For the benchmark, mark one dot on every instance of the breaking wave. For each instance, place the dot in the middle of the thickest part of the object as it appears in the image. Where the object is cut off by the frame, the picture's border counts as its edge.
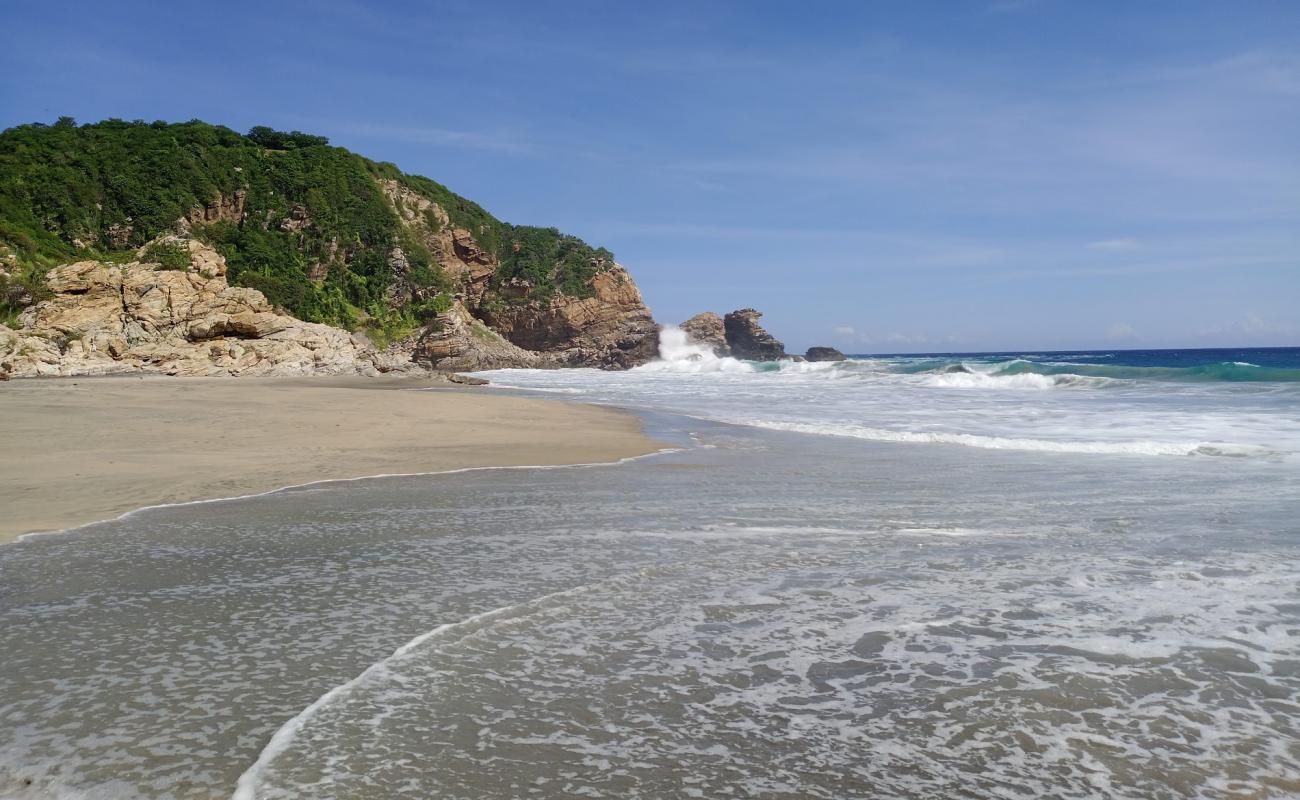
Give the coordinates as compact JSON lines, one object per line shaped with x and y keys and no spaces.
{"x":1202,"y":404}
{"x":678,"y":354}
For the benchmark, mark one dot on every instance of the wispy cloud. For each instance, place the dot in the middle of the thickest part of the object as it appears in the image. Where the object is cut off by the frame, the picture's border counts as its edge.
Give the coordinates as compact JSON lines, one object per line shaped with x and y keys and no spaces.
{"x":1121,"y":331}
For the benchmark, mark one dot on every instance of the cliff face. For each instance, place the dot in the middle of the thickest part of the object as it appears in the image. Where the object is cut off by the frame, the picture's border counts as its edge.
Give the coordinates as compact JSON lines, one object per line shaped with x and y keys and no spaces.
{"x":308,"y":233}
{"x":611,"y":329}
{"x":607,"y":326}
{"x":468,"y":265}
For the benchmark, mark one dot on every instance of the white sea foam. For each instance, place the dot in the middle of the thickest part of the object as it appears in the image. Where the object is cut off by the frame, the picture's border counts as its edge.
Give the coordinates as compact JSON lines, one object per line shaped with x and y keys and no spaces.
{"x":250,"y":781}
{"x":992,"y":405}
{"x":678,"y":354}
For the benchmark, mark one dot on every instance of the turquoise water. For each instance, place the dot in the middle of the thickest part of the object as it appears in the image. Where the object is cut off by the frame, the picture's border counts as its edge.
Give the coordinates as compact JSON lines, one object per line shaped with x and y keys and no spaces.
{"x":1143,"y":403}
{"x":1259,"y":364}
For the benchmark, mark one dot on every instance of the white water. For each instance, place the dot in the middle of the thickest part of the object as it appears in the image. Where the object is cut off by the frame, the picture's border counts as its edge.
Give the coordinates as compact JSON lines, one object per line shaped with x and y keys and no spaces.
{"x":787,"y":616}
{"x":972,"y":407}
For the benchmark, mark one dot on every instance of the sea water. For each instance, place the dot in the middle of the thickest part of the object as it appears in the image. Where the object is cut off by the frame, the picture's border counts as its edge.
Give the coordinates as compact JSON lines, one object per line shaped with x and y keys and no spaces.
{"x":980,"y":608}
{"x":1236,"y":403}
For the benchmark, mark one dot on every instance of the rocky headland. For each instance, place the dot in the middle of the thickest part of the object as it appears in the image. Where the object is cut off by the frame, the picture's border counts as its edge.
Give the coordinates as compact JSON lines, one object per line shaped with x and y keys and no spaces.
{"x":273,"y":253}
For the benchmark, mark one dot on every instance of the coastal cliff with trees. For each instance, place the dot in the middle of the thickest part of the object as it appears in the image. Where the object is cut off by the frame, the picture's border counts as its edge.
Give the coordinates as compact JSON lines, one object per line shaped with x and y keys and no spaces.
{"x":190,"y":248}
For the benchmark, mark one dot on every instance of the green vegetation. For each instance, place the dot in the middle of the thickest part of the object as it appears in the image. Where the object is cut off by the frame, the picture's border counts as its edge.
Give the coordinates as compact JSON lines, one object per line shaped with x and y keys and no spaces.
{"x":550,"y":260}
{"x":171,"y":255}
{"x":303,"y":222}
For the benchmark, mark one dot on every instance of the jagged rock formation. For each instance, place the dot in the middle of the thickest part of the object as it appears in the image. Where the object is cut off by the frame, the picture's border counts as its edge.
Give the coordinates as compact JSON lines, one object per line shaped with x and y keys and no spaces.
{"x":469,"y":266}
{"x":105,"y":318}
{"x":707,"y":329}
{"x":222,"y":208}
{"x":611,"y":329}
{"x":748,"y":340}
{"x":457,"y":341}
{"x":824,"y":354}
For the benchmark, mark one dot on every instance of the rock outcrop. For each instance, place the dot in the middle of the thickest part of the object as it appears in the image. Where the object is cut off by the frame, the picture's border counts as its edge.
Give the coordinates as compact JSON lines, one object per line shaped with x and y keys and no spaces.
{"x":222,"y":208}
{"x":458,"y":341}
{"x":708,"y":330}
{"x":455,"y":249}
{"x":824,"y":354}
{"x":105,"y":318}
{"x":610,"y":329}
{"x":748,"y":340}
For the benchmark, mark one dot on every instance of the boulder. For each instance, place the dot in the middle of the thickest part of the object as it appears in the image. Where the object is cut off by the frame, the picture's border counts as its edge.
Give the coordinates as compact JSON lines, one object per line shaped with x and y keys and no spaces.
{"x":748,"y":340}
{"x":824,"y":354}
{"x":708,"y":330}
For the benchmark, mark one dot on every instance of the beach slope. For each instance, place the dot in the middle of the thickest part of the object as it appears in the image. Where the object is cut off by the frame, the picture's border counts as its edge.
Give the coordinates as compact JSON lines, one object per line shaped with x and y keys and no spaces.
{"x":81,"y":450}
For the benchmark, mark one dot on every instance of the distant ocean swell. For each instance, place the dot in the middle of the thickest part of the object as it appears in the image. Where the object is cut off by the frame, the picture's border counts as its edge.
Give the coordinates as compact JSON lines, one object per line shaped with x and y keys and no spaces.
{"x":1230,"y":371}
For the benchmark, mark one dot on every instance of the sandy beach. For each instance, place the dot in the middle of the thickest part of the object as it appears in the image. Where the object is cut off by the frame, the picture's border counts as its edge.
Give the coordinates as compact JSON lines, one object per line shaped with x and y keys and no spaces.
{"x":80,"y":450}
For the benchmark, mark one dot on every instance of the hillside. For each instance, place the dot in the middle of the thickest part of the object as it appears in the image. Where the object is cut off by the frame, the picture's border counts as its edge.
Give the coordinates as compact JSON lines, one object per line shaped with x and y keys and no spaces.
{"x":326,"y":235}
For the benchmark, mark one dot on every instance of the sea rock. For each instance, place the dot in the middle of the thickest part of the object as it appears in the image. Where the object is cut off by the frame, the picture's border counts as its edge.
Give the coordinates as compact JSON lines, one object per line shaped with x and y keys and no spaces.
{"x":108,"y":318}
{"x":707,"y":329}
{"x":610,"y":329}
{"x":748,"y":340}
{"x":824,"y":354}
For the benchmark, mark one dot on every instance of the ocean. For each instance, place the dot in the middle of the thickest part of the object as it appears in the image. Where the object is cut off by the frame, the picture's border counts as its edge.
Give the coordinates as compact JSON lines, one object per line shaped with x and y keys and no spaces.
{"x":1015,"y":575}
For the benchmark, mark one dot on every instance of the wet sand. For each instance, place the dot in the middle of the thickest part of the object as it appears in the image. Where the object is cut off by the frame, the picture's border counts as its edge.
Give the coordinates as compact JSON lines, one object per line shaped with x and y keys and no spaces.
{"x":79,"y":450}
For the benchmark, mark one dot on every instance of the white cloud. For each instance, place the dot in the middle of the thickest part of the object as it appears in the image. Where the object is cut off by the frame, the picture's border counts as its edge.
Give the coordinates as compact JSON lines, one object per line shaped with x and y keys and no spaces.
{"x":844,"y":330}
{"x":1121,"y":330}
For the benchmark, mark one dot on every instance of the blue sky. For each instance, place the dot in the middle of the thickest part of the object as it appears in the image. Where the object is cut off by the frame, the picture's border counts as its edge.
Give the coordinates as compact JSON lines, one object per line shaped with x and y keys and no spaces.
{"x":881,"y":176}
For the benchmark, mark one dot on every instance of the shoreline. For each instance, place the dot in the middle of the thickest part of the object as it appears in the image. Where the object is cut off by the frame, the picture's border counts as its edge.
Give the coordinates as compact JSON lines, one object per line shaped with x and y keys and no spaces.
{"x":80,"y":451}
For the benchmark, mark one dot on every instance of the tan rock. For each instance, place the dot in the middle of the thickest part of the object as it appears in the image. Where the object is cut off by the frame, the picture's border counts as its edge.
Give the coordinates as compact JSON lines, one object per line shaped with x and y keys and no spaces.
{"x":611,"y":329}
{"x":203,"y":259}
{"x":457,"y":341}
{"x":106,"y":318}
{"x":455,"y":250}
{"x":707,"y":329}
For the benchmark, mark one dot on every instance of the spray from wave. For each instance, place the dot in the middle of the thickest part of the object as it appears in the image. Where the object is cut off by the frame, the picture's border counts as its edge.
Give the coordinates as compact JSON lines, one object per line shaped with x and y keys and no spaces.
{"x":678,"y":354}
